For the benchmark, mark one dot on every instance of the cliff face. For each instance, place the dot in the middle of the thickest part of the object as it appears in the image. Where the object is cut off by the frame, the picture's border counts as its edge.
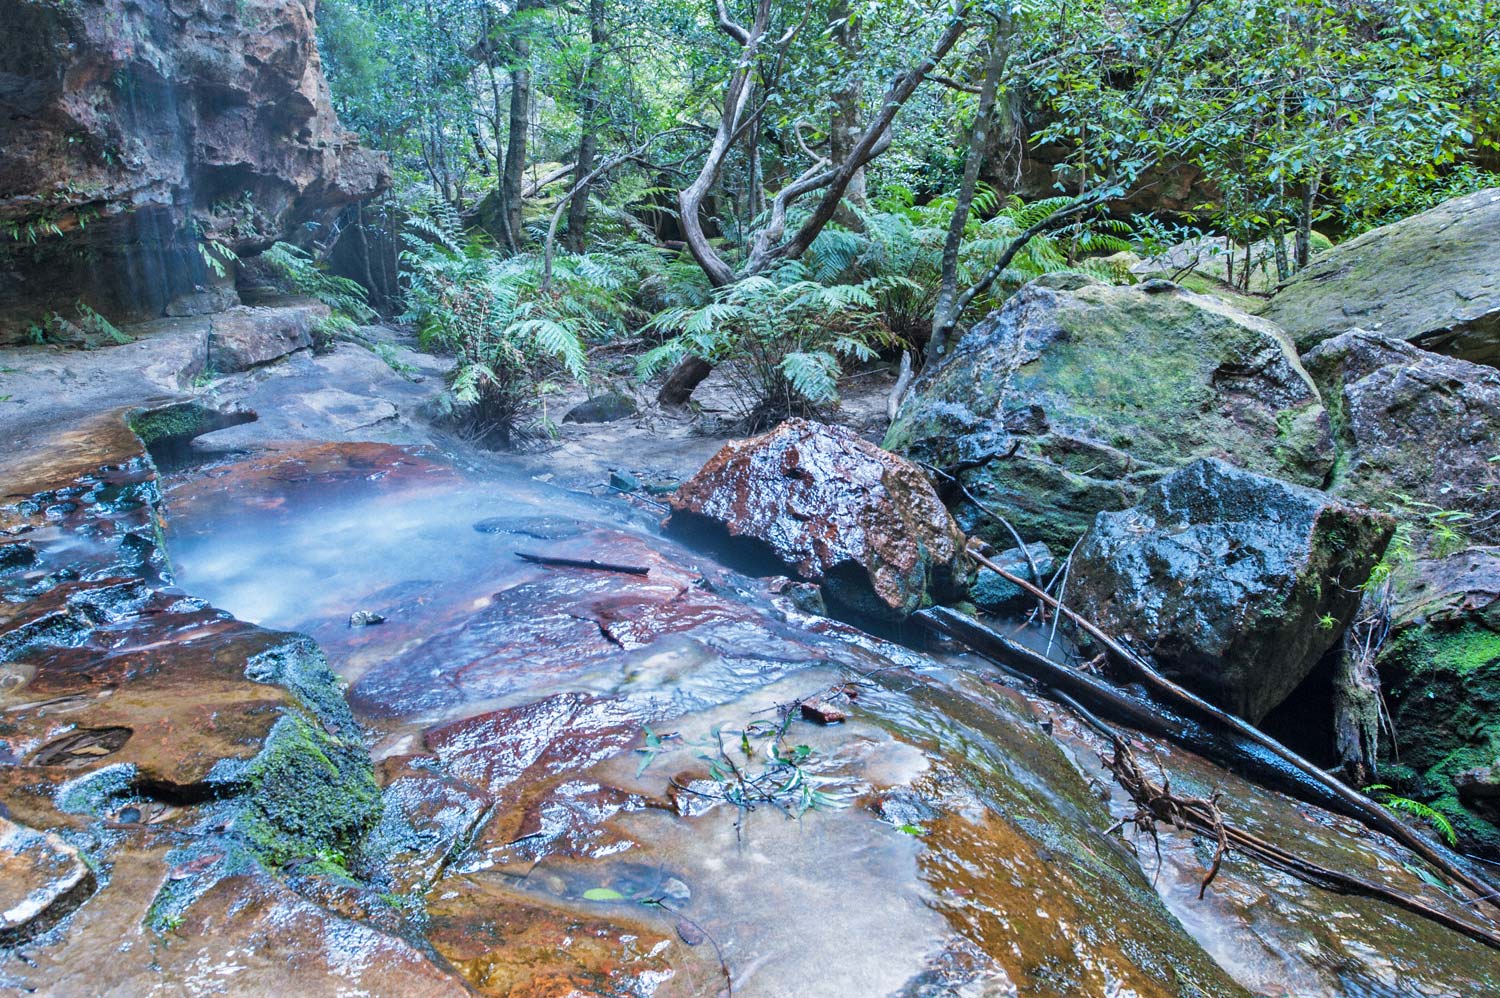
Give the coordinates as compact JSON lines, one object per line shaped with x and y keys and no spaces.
{"x":134,"y":131}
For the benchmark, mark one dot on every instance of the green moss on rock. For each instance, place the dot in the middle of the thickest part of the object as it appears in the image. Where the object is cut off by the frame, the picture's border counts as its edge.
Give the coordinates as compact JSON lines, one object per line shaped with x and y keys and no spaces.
{"x":310,"y":795}
{"x":1076,"y":395}
{"x":1443,"y":691}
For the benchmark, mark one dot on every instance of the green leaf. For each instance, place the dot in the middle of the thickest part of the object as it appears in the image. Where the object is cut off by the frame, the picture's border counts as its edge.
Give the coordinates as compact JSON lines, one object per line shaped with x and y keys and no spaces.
{"x":602,"y":894}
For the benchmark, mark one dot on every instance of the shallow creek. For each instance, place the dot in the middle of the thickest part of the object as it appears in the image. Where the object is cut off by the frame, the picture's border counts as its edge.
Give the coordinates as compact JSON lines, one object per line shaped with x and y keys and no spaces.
{"x":961,"y":851}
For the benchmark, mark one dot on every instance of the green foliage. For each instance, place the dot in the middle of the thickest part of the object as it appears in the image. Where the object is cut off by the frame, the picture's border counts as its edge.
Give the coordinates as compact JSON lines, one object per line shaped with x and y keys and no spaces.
{"x":304,"y":275}
{"x":780,"y":338}
{"x":764,"y":769}
{"x":1405,"y":805}
{"x":86,"y":329}
{"x":216,"y":256}
{"x":511,"y":337}
{"x":902,"y":245}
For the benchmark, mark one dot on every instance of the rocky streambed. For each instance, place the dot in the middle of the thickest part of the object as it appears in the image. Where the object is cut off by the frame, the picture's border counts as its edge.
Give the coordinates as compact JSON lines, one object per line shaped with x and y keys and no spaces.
{"x":548,"y":779}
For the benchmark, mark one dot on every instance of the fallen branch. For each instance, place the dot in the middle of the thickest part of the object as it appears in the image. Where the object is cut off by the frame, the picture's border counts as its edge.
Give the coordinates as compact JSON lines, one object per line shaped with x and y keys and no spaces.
{"x":1201,"y":816}
{"x":602,"y":566}
{"x":1197,"y":725}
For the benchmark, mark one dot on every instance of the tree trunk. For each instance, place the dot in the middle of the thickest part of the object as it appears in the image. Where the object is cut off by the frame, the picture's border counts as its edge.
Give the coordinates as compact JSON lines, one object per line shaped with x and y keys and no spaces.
{"x":519,"y":126}
{"x":588,"y":139}
{"x":515,"y":150}
{"x":1304,"y":221}
{"x":944,"y":314}
{"x":685,"y":377}
{"x":845,"y":118}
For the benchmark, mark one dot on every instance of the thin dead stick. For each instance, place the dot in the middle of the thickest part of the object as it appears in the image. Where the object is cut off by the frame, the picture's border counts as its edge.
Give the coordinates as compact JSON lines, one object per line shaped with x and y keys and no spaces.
{"x":602,"y":566}
{"x":1355,"y":804}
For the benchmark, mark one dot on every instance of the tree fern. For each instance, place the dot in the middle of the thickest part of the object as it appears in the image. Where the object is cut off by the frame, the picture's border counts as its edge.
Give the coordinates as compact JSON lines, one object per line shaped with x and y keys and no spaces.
{"x":778,"y":337}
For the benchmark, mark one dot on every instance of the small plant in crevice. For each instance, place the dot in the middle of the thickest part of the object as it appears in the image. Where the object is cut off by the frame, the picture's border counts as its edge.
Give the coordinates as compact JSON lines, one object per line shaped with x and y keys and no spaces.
{"x":1405,"y":805}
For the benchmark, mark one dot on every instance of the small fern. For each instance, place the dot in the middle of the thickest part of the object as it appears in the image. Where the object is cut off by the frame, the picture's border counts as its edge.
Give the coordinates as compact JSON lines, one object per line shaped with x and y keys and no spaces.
{"x":1415,"y":808}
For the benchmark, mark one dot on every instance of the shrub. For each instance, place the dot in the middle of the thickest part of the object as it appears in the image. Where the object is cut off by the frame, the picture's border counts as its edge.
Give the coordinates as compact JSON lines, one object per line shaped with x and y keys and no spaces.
{"x":511,"y":338}
{"x":780,"y":339}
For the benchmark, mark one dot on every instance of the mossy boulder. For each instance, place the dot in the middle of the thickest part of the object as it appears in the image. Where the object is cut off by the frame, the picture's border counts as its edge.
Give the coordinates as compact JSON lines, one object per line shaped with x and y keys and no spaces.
{"x":1430,"y":279}
{"x":1237,"y":584}
{"x":1076,"y":395}
{"x":1440,"y":669}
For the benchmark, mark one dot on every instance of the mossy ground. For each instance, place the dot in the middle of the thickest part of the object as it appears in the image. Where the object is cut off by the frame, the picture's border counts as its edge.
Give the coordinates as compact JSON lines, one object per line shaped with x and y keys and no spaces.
{"x":1443,"y":691}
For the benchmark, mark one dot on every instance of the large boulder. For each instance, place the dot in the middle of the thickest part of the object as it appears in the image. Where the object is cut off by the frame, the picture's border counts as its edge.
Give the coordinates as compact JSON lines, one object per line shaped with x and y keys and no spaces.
{"x":1076,"y":395}
{"x":136,"y":130}
{"x":838,"y":510}
{"x":1440,"y":670}
{"x":1430,"y":279}
{"x":1413,"y":428}
{"x":1237,"y":584}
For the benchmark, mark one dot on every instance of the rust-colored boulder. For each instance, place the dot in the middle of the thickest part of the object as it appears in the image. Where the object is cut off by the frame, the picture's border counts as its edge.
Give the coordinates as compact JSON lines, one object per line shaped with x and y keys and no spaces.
{"x":840,"y":511}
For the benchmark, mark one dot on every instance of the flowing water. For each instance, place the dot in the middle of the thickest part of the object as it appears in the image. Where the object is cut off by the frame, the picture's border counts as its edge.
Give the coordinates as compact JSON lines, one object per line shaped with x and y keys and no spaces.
{"x":566,"y":740}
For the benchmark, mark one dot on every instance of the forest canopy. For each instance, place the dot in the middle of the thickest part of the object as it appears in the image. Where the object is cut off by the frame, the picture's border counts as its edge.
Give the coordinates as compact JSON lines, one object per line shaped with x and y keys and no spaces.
{"x":800,"y":186}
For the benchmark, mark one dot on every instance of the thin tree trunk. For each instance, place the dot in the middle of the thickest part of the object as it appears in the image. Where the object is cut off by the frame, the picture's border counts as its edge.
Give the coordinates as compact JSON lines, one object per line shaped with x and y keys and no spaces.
{"x":588,"y":139}
{"x":1304,"y":220}
{"x":845,"y":118}
{"x":1283,"y":265}
{"x":518,"y":126}
{"x":515,"y":145}
{"x":944,"y":315}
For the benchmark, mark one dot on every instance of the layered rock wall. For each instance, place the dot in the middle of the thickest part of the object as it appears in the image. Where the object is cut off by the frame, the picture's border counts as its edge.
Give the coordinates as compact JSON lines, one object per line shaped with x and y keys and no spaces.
{"x":137,"y":134}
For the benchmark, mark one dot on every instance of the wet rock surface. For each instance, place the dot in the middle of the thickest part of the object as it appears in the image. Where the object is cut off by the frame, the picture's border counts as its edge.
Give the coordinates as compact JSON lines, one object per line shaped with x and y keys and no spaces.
{"x":1414,"y":427}
{"x":555,"y":846}
{"x":42,"y":879}
{"x":538,"y":810}
{"x":172,"y":123}
{"x":1237,"y":584}
{"x":839,"y":510}
{"x":1429,"y":279}
{"x":1075,"y":396}
{"x":191,"y":759}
